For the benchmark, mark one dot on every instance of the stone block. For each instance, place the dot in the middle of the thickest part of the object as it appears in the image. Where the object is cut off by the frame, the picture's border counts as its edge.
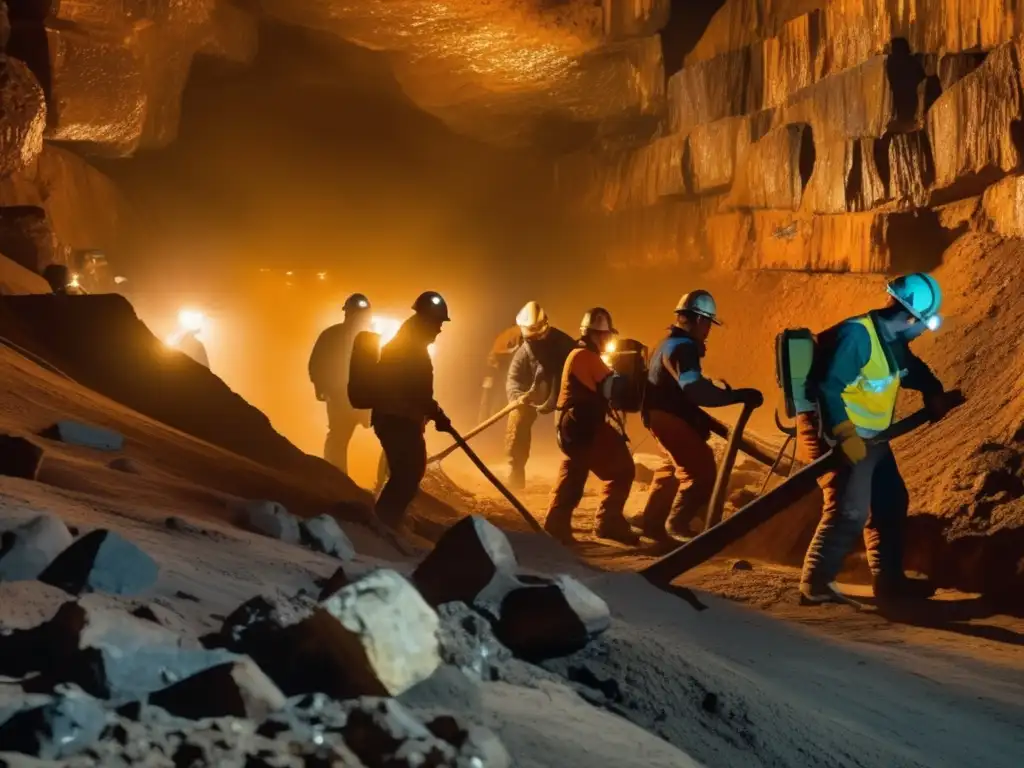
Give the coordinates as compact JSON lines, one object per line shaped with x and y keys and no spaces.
{"x":846,"y":177}
{"x":740,"y":23}
{"x":87,"y":436}
{"x":23,"y":106}
{"x":20,"y":457}
{"x":794,"y":58}
{"x":911,"y":169}
{"x":234,"y":689}
{"x":634,"y":18}
{"x":545,"y":621}
{"x":729,"y":85}
{"x":714,"y":151}
{"x":102,"y":561}
{"x":775,"y":170}
{"x":376,"y":636}
{"x":865,"y":101}
{"x":323,"y":534}
{"x":27,"y":550}
{"x":1003,"y":204}
{"x":270,"y":519}
{"x":871,"y":242}
{"x":974,"y":128}
{"x":50,"y":727}
{"x":473,"y":561}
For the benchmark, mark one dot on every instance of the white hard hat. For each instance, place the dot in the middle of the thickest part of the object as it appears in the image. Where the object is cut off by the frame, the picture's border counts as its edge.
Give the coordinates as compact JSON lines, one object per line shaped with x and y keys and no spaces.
{"x":597,"y":319}
{"x":699,"y":303}
{"x":532,"y":321}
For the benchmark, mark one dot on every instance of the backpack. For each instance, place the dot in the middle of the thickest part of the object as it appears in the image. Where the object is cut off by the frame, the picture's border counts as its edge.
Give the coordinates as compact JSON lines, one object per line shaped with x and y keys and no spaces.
{"x":629,"y":360}
{"x":794,"y":355}
{"x":362,"y":373}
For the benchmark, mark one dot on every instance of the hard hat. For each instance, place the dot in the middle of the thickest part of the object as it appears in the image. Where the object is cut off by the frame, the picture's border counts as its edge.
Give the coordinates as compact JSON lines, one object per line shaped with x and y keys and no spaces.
{"x":356,"y":302}
{"x":431,"y":304}
{"x":919,"y":293}
{"x":597,"y":319}
{"x":532,"y":321}
{"x":699,"y":303}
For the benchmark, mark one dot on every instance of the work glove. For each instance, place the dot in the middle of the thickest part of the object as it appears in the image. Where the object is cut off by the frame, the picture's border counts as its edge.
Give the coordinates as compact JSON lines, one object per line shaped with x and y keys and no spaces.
{"x":749,"y":397}
{"x":442,"y":423}
{"x":850,"y":443}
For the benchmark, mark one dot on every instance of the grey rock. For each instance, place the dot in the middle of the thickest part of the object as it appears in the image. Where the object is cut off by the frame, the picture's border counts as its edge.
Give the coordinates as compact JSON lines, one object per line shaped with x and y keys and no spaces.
{"x":375,"y":636}
{"x":270,"y":519}
{"x":115,"y":656}
{"x":27,"y":550}
{"x":323,"y":534}
{"x":88,"y":436}
{"x":234,"y":689}
{"x":51,"y":727}
{"x":545,"y":621}
{"x":20,"y":457}
{"x":468,"y":642}
{"x":472,"y":562}
{"x":102,"y":561}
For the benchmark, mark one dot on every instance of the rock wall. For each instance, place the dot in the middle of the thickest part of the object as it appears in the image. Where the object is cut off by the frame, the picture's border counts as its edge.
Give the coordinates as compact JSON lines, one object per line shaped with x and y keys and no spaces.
{"x":93,"y":78}
{"x":823,"y":135}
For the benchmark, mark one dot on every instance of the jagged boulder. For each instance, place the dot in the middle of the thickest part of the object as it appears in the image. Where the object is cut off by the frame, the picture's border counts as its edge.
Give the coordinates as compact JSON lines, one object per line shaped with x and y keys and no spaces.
{"x":233,"y":689}
{"x":270,"y":519}
{"x":975,"y":127}
{"x":50,"y":727}
{"x":775,"y":170}
{"x":102,"y":561}
{"x":26,"y":551}
{"x":24,"y":109}
{"x":473,"y":561}
{"x":546,"y":620}
{"x":375,"y":636}
{"x":323,"y":534}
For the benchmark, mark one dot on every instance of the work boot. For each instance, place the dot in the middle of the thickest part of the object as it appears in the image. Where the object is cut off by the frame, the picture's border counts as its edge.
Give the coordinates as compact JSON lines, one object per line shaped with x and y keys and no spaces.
{"x":822,"y":594}
{"x":560,"y":531}
{"x":683,"y":530}
{"x":617,"y":530}
{"x":516,"y":478}
{"x":901,"y":587}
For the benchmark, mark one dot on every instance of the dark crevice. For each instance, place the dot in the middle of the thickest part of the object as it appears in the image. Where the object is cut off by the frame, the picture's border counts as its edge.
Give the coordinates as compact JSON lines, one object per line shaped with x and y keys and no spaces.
{"x":687,"y":22}
{"x":808,"y":155}
{"x":917,"y":240}
{"x":855,"y":180}
{"x":905,"y":72}
{"x":880,"y":151}
{"x":30,"y":44}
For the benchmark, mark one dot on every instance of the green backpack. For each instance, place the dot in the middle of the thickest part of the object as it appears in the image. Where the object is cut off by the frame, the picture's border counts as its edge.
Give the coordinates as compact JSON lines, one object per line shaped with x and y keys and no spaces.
{"x":794,"y":355}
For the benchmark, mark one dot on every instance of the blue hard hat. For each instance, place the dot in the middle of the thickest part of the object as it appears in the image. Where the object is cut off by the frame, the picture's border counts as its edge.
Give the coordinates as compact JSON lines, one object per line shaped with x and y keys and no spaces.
{"x":919,"y":293}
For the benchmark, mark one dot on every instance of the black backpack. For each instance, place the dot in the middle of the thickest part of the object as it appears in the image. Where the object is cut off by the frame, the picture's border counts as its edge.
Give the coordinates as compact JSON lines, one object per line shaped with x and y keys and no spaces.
{"x":362,"y":374}
{"x":629,"y":360}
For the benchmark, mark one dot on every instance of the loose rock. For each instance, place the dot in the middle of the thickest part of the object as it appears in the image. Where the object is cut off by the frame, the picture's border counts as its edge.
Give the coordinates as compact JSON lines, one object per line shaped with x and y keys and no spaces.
{"x":51,"y":727}
{"x":472,"y":562}
{"x":102,"y":561}
{"x":270,"y":519}
{"x":468,"y":642}
{"x":28,"y":549}
{"x":20,"y":457}
{"x":235,"y":689}
{"x":323,"y":534}
{"x":742,"y":565}
{"x":551,"y":620}
{"x":375,"y":636}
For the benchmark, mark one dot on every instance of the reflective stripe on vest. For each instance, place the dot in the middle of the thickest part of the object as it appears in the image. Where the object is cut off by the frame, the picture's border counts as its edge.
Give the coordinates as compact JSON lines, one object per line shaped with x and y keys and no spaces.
{"x":871,"y":399}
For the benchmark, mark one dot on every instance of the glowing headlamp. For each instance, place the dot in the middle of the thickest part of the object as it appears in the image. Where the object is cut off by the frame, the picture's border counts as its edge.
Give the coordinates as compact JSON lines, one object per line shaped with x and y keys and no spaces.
{"x":933,"y":323}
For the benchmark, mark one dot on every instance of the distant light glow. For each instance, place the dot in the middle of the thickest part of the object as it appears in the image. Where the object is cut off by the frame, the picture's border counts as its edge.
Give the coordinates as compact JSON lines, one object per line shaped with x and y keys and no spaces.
{"x":321,"y":275}
{"x":118,"y":279}
{"x":386,"y":327}
{"x":75,"y":281}
{"x":191,"y":320}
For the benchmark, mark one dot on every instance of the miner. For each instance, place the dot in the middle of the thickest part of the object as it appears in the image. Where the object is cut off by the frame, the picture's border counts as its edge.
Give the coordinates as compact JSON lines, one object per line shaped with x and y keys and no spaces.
{"x":329,"y":372}
{"x":859,"y":368}
{"x":533,"y":377}
{"x":590,"y":443}
{"x":677,"y":392}
{"x":404,"y":404}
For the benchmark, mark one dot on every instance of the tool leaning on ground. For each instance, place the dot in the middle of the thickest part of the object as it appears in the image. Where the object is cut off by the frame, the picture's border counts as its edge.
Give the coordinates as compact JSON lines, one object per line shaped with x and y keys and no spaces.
{"x":714,"y":540}
{"x":521,"y":402}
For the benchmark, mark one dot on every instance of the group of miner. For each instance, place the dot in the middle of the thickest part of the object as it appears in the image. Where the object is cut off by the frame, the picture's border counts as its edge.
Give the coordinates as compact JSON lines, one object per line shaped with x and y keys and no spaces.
{"x":859,"y":367}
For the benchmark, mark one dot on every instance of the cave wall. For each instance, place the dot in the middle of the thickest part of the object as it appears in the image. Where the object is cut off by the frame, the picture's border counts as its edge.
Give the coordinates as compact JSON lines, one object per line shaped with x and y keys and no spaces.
{"x":853,"y":136}
{"x":86,"y":80}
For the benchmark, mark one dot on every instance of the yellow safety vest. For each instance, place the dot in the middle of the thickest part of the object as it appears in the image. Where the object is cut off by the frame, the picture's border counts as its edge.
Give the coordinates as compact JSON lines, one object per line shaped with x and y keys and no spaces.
{"x":871,"y":399}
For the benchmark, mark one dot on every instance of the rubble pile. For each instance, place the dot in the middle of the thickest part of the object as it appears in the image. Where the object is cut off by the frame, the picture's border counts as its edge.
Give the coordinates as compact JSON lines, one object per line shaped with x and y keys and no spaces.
{"x":285,"y":680}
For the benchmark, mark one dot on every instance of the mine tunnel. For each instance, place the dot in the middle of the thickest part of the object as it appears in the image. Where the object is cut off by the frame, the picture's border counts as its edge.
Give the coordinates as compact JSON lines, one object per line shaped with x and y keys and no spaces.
{"x":193,"y":191}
